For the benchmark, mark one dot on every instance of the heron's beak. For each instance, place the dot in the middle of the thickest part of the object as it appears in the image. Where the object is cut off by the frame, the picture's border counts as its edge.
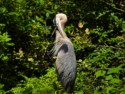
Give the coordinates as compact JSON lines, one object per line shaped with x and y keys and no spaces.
{"x":54,"y":31}
{"x":54,"y":22}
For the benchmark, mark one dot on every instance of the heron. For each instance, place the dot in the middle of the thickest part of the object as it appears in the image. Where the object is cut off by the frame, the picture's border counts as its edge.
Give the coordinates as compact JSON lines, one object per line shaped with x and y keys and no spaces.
{"x":65,"y":55}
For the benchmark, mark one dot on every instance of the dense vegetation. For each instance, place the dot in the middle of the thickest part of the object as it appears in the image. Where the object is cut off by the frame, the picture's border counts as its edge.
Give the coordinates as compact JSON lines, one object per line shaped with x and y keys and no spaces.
{"x":96,"y":28}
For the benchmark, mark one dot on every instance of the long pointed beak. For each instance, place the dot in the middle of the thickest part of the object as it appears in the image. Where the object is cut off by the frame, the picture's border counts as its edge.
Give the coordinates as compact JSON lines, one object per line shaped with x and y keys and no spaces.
{"x":54,"y":22}
{"x":54,"y":31}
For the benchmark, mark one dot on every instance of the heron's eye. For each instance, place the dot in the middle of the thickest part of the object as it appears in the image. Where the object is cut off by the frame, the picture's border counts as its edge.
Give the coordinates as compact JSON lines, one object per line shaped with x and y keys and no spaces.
{"x":54,"y":21}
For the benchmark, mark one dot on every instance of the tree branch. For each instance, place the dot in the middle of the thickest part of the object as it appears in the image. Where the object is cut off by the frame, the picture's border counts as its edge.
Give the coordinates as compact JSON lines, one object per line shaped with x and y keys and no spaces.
{"x":118,"y":9}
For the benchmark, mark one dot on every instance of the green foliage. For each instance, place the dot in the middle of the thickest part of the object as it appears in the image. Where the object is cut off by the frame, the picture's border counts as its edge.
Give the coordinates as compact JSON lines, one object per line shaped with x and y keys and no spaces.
{"x":1,"y":89}
{"x":4,"y":44}
{"x":96,"y":28}
{"x":43,"y":85}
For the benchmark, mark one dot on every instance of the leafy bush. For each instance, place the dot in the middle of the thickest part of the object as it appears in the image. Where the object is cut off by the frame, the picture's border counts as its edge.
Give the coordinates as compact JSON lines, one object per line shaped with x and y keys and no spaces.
{"x":43,"y":85}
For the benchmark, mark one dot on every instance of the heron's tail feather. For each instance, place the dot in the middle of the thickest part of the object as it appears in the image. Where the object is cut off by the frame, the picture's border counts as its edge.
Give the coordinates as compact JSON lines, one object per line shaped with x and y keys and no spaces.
{"x":69,"y":87}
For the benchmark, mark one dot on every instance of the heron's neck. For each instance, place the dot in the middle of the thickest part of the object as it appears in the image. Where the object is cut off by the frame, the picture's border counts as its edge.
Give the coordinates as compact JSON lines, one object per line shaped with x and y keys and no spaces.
{"x":64,"y":34}
{"x":62,"y":25}
{"x":61,"y":30}
{"x":59,"y":37}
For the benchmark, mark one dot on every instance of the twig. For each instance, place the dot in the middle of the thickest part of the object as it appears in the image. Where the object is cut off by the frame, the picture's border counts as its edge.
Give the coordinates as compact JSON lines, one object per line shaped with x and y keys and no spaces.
{"x":118,"y":9}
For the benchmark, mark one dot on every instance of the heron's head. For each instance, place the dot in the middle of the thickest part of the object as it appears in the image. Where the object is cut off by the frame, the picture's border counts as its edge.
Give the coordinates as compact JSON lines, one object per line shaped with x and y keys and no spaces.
{"x":60,"y":18}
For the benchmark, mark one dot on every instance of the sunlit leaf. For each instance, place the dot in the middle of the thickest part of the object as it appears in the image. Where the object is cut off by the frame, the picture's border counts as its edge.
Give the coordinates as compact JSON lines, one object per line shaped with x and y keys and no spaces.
{"x":80,"y":25}
{"x":114,"y":70}
{"x":109,"y":77}
{"x":100,"y":73}
{"x":115,"y":80}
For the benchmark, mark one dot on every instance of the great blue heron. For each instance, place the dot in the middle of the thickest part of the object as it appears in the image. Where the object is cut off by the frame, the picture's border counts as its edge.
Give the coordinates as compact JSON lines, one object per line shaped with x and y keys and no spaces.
{"x":65,"y":55}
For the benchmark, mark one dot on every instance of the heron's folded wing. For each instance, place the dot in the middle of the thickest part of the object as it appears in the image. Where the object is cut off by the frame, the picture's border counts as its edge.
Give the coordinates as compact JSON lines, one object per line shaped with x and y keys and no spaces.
{"x":66,"y":64}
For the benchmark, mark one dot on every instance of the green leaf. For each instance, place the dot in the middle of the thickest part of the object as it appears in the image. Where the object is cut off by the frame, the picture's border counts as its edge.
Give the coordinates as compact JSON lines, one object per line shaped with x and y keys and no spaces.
{"x":114,"y":70}
{"x":109,"y":77}
{"x":80,"y":92}
{"x":33,"y":21}
{"x":2,"y":10}
{"x":47,"y":14}
{"x":123,"y":26}
{"x":100,"y":73}
{"x":109,"y":89}
{"x":123,"y":92}
{"x":5,"y":58}
{"x":41,"y":2}
{"x":115,"y":80}
{"x":2,"y":26}
{"x":14,"y":13}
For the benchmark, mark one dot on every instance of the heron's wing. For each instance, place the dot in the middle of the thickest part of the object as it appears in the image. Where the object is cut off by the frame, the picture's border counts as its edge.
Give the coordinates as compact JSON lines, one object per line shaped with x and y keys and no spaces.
{"x":66,"y":65}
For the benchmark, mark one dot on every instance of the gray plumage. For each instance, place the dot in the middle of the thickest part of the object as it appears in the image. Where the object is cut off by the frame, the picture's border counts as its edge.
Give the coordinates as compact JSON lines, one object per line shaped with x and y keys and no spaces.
{"x":65,"y":55}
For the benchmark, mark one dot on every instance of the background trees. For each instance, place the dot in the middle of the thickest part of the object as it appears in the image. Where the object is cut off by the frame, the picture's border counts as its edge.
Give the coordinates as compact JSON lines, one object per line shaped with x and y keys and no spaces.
{"x":96,"y":28}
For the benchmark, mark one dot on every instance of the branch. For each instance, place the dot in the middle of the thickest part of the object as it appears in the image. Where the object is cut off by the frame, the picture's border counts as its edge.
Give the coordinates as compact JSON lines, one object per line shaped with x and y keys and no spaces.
{"x":118,"y":9}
